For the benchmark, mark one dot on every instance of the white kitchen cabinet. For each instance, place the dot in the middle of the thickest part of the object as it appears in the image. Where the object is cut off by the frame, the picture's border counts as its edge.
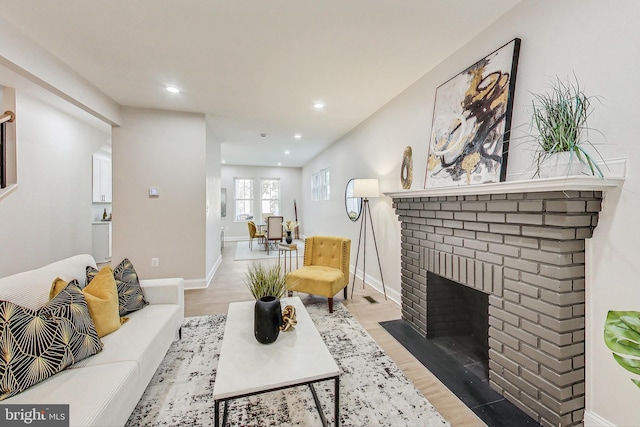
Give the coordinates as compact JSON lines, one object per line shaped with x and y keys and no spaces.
{"x":101,"y":179}
{"x":101,"y":233}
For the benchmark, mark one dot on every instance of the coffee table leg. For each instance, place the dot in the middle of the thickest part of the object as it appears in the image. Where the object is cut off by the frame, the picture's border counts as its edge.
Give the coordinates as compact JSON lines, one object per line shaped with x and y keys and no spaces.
{"x":336,"y":409}
{"x":323,"y":419}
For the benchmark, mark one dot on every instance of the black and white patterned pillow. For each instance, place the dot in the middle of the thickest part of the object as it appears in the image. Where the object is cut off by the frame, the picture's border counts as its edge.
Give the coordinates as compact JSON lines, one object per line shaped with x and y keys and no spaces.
{"x":36,"y":344}
{"x":130,"y":296}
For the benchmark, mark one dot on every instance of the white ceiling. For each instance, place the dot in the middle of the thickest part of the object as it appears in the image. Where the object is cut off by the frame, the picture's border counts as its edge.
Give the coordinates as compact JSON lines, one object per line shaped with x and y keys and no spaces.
{"x":256,"y":66}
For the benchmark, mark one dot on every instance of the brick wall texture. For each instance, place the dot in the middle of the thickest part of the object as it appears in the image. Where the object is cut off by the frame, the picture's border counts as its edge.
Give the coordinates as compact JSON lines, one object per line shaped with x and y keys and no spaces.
{"x":526,"y":250}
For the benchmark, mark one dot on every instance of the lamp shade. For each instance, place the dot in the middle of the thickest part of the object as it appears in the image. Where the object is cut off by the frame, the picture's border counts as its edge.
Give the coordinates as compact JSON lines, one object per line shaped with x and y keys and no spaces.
{"x":366,"y":188}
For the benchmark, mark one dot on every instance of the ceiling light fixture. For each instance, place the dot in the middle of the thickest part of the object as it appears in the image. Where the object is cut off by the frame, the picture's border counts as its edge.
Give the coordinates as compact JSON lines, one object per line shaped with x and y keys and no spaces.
{"x":173,"y":89}
{"x":286,"y":151}
{"x":318,"y":105}
{"x":279,"y":164}
{"x":297,"y":136}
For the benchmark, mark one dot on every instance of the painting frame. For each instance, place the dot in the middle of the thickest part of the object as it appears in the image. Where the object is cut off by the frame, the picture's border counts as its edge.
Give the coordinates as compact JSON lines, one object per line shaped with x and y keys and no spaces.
{"x":472,"y":121}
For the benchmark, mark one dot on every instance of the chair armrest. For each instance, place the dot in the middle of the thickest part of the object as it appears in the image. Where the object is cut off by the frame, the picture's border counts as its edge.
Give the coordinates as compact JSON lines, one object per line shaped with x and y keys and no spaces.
{"x":163,"y":291}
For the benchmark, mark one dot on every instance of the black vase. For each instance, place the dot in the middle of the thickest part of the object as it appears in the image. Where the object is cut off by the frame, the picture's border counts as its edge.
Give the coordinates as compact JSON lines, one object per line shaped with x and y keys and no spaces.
{"x":288,"y":239}
{"x":267,"y":318}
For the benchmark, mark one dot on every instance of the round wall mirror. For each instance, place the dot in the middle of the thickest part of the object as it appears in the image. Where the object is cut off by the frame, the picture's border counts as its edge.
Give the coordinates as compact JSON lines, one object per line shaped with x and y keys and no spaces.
{"x":353,"y":205}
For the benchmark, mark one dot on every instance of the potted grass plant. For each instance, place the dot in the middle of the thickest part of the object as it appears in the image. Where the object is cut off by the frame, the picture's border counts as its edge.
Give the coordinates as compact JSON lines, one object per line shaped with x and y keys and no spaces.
{"x":267,"y":284}
{"x":560,"y":118}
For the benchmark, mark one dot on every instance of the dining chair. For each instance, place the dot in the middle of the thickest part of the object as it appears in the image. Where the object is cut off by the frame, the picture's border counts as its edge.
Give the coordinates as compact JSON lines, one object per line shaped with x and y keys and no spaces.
{"x":254,"y":233}
{"x":274,"y":230}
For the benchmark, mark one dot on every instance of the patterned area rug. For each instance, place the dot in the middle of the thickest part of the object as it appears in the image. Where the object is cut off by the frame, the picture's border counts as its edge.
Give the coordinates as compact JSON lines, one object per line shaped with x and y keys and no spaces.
{"x":244,"y":253}
{"x":373,"y":390}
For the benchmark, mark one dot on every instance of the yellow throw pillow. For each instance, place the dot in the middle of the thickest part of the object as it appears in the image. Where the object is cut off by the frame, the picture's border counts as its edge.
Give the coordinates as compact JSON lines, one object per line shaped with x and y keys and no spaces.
{"x":101,"y":295}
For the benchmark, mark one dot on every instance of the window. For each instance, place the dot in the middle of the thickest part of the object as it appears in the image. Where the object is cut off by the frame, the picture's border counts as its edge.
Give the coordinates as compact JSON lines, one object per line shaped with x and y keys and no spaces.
{"x":325,"y":190}
{"x":320,"y":189}
{"x":315,"y":186}
{"x":243,"y":198}
{"x":270,"y":196}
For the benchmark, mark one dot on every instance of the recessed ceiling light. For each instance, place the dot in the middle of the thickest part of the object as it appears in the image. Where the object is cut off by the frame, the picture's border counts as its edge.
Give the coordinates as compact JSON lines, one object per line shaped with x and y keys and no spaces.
{"x":173,"y":89}
{"x":297,"y":136}
{"x":224,"y":161}
{"x":318,"y":105}
{"x":286,"y":152}
{"x":279,"y":164}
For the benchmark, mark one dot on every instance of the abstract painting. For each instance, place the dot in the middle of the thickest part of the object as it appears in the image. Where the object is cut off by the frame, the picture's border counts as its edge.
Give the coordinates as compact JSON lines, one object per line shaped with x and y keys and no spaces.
{"x":471,"y":122}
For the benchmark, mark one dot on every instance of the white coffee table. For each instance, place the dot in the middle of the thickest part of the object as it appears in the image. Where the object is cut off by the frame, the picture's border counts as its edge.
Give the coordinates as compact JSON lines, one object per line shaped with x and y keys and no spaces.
{"x":297,"y":357}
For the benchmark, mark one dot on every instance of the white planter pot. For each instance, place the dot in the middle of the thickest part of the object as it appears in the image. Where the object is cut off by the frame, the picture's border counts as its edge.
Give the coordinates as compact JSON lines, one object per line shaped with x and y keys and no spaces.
{"x":562,"y":164}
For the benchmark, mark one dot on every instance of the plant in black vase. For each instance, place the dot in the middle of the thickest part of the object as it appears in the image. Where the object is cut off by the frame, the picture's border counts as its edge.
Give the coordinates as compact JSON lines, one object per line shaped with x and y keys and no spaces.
{"x":267,"y":284}
{"x":289,"y":226}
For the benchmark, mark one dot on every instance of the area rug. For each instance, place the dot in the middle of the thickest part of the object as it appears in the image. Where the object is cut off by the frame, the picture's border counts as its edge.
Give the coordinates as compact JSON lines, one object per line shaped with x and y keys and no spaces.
{"x":243,"y":252}
{"x":373,"y":390}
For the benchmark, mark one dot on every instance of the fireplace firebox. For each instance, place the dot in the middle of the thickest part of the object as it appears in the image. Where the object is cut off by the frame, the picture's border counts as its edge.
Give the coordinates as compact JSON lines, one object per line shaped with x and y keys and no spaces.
{"x":458,"y":322}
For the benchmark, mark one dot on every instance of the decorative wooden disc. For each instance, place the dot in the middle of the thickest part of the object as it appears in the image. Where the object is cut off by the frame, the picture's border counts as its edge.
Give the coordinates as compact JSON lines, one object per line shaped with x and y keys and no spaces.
{"x":406,"y":172}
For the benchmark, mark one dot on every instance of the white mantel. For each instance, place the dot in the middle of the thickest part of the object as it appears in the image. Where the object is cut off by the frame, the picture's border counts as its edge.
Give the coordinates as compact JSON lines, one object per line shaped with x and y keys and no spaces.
{"x":565,"y":183}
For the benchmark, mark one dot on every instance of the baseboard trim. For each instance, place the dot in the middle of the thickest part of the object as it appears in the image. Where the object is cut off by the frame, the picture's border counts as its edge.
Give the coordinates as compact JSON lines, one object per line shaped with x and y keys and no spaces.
{"x":195,"y":284}
{"x":392,"y":294}
{"x":592,"y":419}
{"x":203,"y":283}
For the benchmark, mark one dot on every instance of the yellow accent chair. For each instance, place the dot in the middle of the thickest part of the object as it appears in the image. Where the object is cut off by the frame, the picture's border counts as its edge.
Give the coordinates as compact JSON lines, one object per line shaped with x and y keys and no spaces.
{"x":325,"y":270}
{"x":254,"y":233}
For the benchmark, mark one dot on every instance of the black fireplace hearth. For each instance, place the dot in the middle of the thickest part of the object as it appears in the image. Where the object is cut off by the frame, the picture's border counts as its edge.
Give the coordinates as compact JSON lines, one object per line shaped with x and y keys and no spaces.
{"x":466,"y":378}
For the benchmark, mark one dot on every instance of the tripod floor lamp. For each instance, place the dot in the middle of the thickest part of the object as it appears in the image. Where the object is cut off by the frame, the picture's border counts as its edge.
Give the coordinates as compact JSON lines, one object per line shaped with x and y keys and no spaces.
{"x":366,"y":188}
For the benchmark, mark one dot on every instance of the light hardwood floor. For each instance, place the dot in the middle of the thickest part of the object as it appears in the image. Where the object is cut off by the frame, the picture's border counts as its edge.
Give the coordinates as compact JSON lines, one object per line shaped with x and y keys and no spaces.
{"x":227,"y":286}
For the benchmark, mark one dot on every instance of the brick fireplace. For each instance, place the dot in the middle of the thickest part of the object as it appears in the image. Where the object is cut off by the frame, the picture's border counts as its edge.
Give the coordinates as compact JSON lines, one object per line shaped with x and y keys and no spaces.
{"x":526,"y":250}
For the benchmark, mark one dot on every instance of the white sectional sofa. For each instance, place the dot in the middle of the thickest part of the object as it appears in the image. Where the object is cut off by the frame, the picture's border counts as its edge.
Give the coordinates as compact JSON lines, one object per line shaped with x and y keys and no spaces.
{"x":103,"y":389}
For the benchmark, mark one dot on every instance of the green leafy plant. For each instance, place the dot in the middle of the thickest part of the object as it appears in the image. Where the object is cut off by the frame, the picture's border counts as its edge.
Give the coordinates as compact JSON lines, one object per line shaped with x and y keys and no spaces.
{"x":266,"y":280}
{"x":622,"y":336}
{"x":560,"y":117}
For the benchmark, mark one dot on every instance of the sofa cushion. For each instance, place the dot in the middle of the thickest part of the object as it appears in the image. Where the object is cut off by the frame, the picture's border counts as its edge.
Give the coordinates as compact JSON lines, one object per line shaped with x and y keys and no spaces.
{"x":102,"y":298}
{"x":130,"y":295}
{"x":97,"y":396}
{"x":143,"y":340}
{"x":145,"y":337}
{"x":36,"y":344}
{"x":30,"y":289}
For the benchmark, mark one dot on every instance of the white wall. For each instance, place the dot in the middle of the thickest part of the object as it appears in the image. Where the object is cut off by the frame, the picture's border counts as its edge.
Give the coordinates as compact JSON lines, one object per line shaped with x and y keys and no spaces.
{"x":590,"y":38}
{"x":48,"y":216}
{"x":291,"y":188}
{"x":212,"y":204}
{"x":37,"y":65}
{"x":167,"y":150}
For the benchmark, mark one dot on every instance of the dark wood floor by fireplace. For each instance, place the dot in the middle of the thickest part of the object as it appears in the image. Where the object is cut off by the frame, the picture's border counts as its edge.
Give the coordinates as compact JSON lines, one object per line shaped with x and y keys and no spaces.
{"x":462,"y":367}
